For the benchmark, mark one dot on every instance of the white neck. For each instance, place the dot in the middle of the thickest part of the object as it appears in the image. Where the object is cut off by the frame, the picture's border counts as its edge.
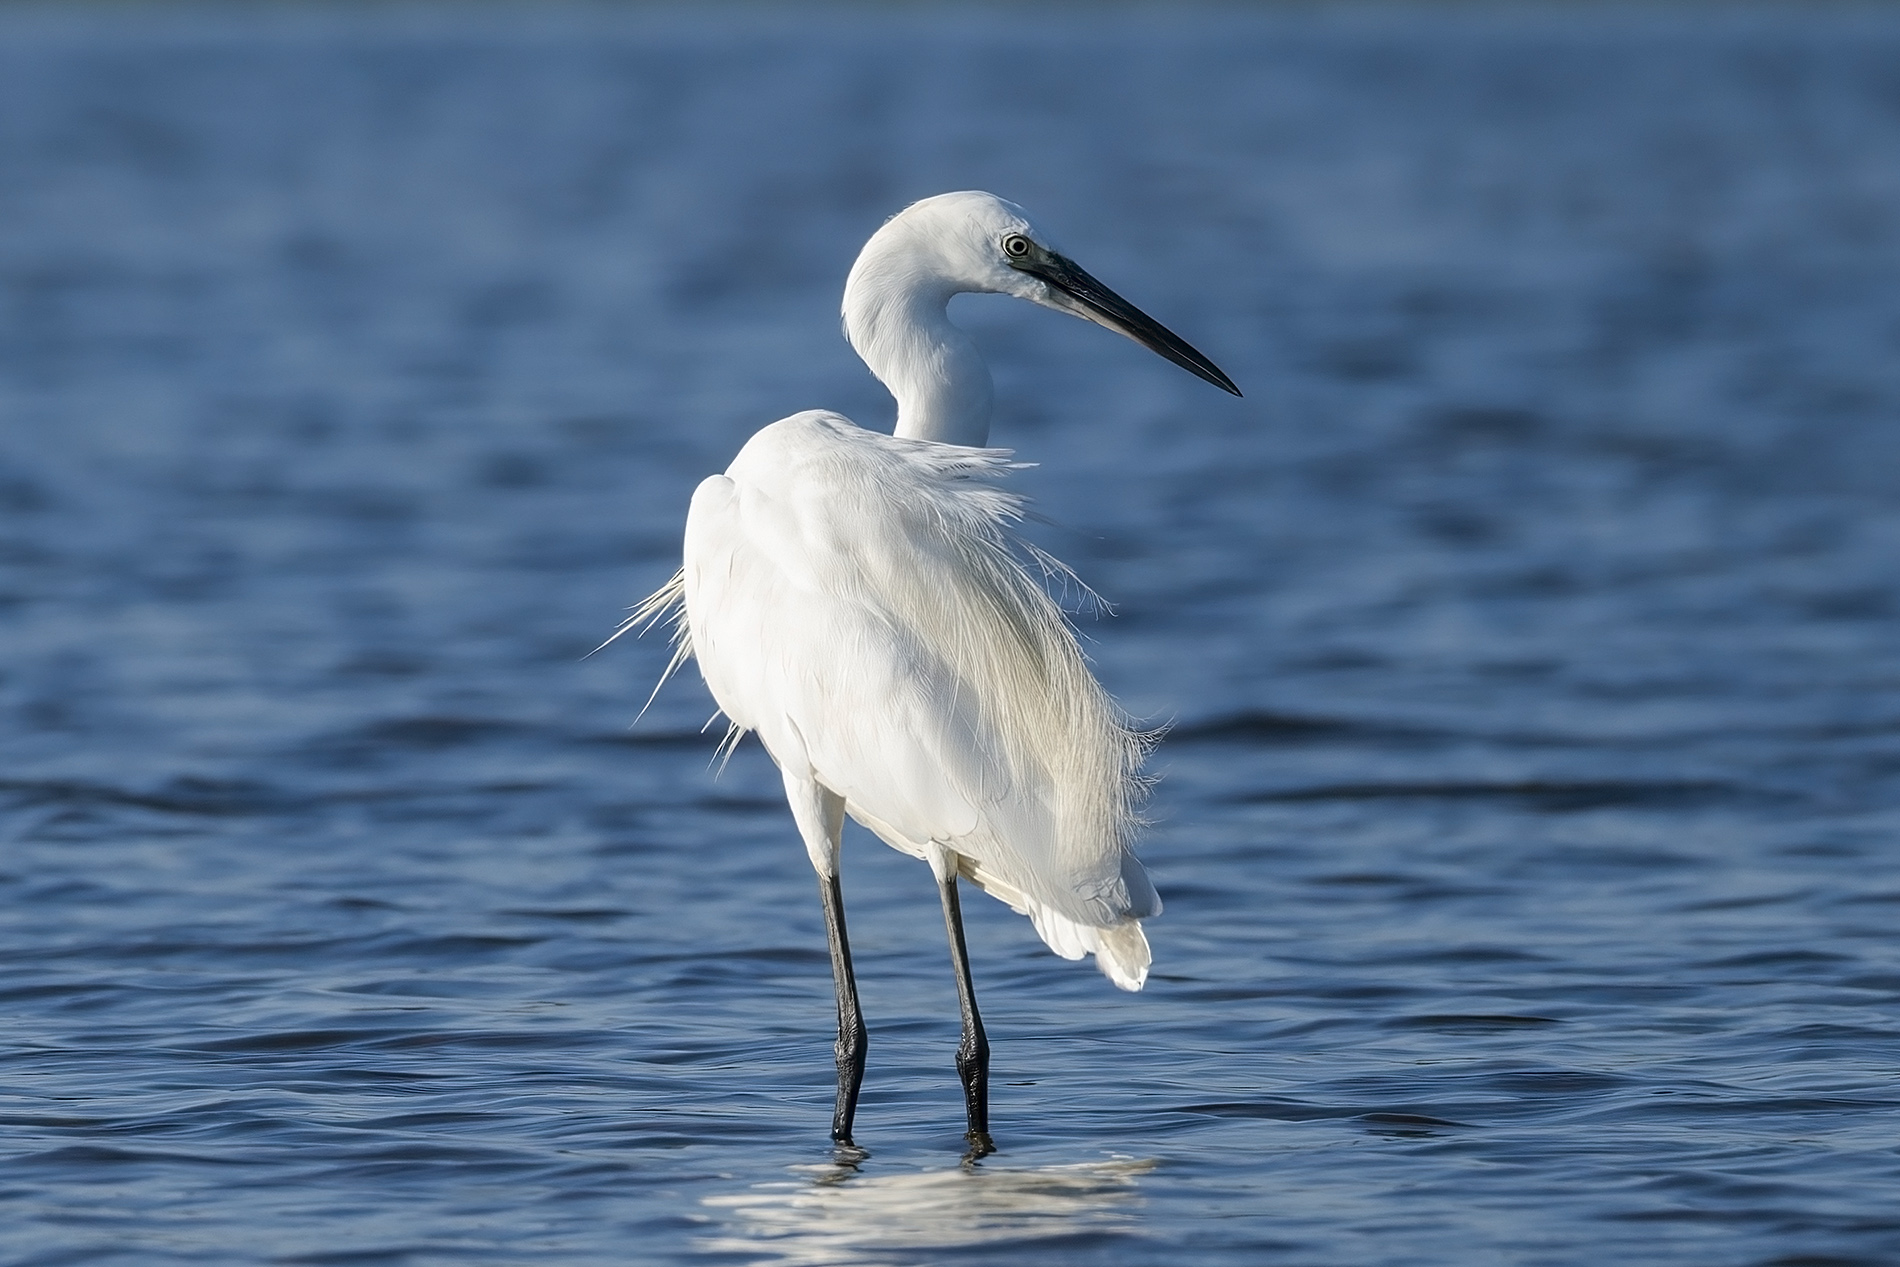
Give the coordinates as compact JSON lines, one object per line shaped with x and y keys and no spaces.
{"x":896,"y":316}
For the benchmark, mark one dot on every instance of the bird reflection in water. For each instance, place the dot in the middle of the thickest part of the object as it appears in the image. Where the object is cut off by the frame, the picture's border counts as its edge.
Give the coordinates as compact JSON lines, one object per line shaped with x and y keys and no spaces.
{"x":836,"y":1215}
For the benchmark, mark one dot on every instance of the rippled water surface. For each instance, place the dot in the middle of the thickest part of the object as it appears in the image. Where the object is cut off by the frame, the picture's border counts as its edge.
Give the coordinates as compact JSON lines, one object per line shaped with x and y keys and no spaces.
{"x":1530,"y":635}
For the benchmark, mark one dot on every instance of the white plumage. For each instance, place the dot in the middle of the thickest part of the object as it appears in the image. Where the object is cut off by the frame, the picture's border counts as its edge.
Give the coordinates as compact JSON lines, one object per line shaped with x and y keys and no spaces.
{"x":859,"y":602}
{"x":853,"y":598}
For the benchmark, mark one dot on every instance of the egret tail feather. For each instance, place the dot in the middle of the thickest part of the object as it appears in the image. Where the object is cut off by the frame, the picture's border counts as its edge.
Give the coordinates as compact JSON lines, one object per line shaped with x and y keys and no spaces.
{"x":1121,"y":950}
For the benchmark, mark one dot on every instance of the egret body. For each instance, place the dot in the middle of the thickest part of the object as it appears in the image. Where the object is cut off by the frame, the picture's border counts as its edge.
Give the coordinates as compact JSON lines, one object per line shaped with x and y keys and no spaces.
{"x":858,"y":601}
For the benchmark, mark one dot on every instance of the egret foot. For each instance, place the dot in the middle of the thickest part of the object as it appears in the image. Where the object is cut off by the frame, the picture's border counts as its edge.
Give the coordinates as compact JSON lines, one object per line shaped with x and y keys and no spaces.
{"x":846,"y":1156}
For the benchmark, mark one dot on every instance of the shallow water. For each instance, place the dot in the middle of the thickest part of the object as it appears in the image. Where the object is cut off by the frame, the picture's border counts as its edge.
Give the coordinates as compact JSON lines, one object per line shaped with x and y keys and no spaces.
{"x":1530,"y":635}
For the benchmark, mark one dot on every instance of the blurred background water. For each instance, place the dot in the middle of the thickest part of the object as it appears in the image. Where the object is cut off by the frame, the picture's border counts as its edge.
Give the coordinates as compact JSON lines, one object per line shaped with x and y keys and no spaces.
{"x":1530,"y":635}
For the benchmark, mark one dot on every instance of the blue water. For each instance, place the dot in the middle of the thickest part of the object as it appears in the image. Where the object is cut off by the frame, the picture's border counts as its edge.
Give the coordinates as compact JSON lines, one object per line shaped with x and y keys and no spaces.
{"x":1530,"y":636}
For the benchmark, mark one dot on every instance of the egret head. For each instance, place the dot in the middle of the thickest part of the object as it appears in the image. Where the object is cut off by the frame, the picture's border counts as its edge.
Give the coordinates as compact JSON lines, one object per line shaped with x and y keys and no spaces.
{"x":974,"y":241}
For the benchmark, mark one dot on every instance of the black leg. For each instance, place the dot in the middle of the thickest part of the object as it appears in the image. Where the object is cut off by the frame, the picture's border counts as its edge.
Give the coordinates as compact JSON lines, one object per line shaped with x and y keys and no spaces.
{"x":973,"y":1054}
{"x":851,"y":1038}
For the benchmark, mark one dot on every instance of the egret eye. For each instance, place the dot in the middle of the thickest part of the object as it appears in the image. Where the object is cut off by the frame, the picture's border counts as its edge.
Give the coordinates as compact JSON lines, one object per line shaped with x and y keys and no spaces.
{"x":1015,"y":246}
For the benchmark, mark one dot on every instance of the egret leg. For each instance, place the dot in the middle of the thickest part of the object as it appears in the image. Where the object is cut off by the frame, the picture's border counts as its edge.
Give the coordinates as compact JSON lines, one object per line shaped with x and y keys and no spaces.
{"x":851,"y":1038}
{"x":819,"y":813}
{"x":973,"y":1053}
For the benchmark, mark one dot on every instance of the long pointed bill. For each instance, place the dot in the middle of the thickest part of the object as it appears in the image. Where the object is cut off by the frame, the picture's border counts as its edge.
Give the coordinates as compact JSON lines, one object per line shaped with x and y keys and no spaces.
{"x":1077,"y":292}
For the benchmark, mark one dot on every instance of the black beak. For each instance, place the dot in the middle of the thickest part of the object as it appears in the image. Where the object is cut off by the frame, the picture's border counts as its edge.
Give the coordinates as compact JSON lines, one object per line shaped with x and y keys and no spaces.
{"x":1088,"y":298}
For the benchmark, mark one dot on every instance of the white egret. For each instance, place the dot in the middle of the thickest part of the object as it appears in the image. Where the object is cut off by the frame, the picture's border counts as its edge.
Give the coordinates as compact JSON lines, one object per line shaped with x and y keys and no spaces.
{"x":859,"y":602}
